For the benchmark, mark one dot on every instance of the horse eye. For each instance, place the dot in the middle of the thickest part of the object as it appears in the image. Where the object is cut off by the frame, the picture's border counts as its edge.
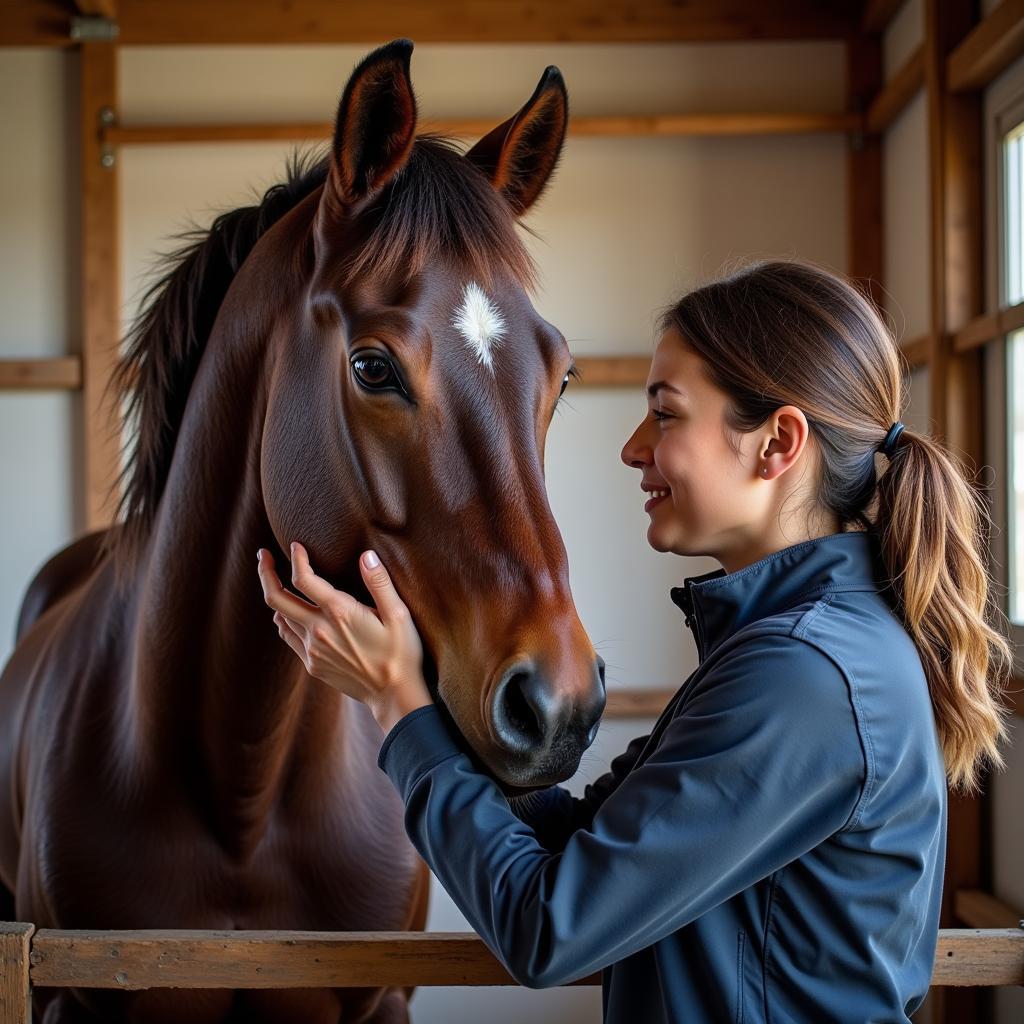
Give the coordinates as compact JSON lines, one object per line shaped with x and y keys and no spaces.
{"x":375,"y":372}
{"x":565,"y":384}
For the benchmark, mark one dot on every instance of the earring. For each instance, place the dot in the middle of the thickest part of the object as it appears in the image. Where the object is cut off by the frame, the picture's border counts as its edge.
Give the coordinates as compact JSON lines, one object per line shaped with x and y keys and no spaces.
{"x":764,"y":472}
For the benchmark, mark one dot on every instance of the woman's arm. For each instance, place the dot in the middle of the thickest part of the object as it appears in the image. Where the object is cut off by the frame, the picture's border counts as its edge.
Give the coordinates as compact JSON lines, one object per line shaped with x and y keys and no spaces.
{"x":762,"y":764}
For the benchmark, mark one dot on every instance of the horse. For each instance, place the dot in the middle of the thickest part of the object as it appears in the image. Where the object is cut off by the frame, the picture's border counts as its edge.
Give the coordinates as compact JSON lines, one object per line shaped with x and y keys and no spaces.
{"x":353,"y":362}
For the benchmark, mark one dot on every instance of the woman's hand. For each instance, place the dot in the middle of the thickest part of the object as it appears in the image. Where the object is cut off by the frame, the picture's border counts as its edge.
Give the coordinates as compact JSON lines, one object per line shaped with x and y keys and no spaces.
{"x":373,"y":656}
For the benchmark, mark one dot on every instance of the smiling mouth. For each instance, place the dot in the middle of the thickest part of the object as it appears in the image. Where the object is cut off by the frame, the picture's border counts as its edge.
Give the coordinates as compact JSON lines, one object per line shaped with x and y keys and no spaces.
{"x":656,"y":498}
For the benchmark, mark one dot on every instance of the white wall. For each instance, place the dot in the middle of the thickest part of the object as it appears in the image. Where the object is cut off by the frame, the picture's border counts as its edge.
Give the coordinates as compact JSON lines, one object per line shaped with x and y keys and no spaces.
{"x":626,"y":226}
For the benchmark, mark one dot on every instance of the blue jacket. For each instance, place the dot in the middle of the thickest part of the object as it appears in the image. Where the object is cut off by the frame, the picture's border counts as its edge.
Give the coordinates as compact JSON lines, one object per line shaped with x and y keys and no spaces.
{"x":772,"y":851}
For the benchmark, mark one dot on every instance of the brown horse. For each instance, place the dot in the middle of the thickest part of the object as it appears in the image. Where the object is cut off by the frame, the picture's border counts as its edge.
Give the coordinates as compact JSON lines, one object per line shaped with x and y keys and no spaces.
{"x":353,"y":363}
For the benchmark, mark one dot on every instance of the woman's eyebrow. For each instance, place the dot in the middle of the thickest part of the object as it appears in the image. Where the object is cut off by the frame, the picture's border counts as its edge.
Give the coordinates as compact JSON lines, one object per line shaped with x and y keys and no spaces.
{"x":663,"y":385}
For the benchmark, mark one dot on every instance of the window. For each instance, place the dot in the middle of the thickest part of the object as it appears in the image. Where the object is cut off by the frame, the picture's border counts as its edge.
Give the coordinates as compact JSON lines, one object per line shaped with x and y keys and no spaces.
{"x":1012,"y":288}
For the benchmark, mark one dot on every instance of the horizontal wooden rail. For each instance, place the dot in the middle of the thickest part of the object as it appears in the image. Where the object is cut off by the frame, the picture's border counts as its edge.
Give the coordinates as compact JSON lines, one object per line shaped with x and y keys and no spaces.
{"x":897,"y":93}
{"x":208,"y":959}
{"x":65,"y":373}
{"x":983,"y":329}
{"x":614,"y":126}
{"x":990,"y":47}
{"x":61,"y":374}
{"x":636,"y":702}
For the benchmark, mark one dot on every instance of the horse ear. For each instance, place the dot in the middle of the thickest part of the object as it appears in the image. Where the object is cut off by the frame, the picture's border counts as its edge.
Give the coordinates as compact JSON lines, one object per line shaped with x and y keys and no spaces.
{"x":376,"y":124}
{"x":520,"y":154}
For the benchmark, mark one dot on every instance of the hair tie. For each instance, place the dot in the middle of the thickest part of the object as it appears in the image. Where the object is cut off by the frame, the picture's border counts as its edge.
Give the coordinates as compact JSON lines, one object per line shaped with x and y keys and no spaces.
{"x":888,"y":446}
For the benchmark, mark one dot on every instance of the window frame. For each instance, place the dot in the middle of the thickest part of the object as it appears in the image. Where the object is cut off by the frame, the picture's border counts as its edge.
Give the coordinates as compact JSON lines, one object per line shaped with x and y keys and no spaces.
{"x":1003,"y":111}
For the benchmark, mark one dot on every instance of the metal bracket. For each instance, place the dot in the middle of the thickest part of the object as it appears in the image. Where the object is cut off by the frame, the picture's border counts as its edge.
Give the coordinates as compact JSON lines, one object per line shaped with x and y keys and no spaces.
{"x":108,"y":154}
{"x":93,"y":30}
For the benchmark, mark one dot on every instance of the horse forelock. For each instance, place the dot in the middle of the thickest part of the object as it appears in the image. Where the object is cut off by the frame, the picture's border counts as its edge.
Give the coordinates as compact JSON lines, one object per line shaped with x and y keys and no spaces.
{"x":438,"y":208}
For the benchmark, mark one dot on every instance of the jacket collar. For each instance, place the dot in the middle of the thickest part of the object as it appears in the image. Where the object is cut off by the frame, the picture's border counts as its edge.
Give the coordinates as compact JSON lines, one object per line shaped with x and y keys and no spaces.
{"x":718,"y":604}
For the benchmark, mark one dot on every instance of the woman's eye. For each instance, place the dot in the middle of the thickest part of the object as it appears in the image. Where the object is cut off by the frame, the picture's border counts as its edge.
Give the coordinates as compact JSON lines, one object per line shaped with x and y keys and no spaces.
{"x":375,"y":372}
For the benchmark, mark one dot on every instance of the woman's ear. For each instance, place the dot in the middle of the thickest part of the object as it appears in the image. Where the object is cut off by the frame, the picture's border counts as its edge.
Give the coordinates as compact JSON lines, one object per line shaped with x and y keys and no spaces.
{"x":520,"y":155}
{"x":375,"y":127}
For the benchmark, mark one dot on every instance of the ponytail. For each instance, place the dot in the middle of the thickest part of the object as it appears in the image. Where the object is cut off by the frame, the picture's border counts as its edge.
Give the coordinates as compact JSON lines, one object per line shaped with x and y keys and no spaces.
{"x":933,"y":528}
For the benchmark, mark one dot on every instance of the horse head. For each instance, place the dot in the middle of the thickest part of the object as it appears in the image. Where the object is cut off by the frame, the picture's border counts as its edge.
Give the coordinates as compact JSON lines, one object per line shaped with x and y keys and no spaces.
{"x":411,"y":390}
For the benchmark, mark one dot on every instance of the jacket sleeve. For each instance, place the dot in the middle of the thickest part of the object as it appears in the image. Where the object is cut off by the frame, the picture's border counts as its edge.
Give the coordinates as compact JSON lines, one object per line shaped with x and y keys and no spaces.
{"x":554,"y":813}
{"x":761,"y":763}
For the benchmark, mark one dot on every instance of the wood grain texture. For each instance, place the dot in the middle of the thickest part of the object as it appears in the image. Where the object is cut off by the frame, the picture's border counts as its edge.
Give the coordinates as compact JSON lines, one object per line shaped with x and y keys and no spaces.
{"x":989,"y":48}
{"x":642,"y":125}
{"x":897,"y":93}
{"x":15,"y":994}
{"x":62,"y":374}
{"x":99,"y":268}
{"x":989,"y":326}
{"x":179,"y":959}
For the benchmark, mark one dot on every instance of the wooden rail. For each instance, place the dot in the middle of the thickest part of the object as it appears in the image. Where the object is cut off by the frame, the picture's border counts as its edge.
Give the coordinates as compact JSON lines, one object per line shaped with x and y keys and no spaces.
{"x":132,"y":960}
{"x":665,"y":125}
{"x":62,"y":374}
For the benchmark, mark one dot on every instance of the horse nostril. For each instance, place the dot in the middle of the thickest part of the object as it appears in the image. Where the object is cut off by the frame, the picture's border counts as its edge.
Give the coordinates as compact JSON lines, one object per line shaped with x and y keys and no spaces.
{"x":527,"y":713}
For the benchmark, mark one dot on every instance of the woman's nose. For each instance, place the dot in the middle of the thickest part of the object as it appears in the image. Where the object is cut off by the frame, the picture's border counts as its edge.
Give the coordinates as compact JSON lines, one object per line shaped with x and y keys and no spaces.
{"x":635,"y":454}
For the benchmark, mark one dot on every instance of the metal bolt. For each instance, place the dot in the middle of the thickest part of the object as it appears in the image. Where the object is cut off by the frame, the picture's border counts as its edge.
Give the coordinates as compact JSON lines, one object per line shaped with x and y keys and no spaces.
{"x":107,"y":116}
{"x":107,"y":158}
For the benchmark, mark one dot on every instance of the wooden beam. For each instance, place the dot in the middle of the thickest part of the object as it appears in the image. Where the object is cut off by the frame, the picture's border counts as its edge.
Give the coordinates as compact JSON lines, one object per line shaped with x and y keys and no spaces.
{"x":612,"y":371}
{"x":992,"y":46}
{"x":64,"y":374}
{"x":864,"y":260}
{"x":636,"y":702}
{"x":200,"y":22}
{"x":100,"y":263}
{"x":622,"y":126}
{"x":97,"y":8}
{"x":976,"y":957}
{"x":982,"y":910}
{"x":15,"y":993}
{"x":897,"y":93}
{"x":878,"y":14}
{"x":917,"y":350}
{"x":36,"y":23}
{"x":987,"y":327}
{"x":135,"y":960}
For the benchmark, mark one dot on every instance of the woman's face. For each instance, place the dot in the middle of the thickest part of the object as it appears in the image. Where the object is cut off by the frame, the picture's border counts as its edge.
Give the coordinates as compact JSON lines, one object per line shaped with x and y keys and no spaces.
{"x":705,"y":498}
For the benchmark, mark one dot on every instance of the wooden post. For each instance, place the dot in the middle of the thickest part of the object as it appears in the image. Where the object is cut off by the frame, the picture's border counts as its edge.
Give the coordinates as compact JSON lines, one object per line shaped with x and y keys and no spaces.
{"x":100,"y":269}
{"x":864,"y":168}
{"x":955,"y":381}
{"x":15,"y":993}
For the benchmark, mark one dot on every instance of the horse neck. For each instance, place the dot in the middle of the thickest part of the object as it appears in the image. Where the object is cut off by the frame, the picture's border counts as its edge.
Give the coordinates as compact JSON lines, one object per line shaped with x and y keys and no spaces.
{"x":216,"y":689}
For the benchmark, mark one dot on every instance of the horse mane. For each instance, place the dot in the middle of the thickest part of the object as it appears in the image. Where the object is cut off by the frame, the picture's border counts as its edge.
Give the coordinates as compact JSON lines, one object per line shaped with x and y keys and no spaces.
{"x":439,"y":204}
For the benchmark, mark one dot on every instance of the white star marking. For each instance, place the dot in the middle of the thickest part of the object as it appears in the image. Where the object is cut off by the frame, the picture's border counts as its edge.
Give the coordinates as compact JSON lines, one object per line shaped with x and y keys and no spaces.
{"x":480,"y":323}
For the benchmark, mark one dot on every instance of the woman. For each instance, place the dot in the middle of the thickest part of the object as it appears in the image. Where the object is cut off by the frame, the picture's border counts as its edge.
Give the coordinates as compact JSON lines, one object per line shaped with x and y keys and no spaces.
{"x":774,"y":849}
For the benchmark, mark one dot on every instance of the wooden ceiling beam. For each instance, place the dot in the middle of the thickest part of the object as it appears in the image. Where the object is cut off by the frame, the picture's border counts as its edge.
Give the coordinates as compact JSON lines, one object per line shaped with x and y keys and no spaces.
{"x":263,"y":22}
{"x":989,"y":48}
